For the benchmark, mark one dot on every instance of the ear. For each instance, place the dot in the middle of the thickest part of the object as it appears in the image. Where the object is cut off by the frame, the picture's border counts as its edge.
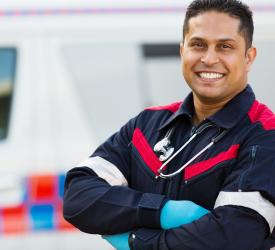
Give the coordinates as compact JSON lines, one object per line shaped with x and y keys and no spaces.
{"x":250,"y":57}
{"x":181,"y":49}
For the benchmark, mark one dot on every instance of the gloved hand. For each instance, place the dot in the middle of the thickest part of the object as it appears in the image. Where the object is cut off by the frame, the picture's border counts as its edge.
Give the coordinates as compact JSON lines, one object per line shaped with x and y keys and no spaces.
{"x":118,"y":241}
{"x":176,"y":213}
{"x":173,"y":214}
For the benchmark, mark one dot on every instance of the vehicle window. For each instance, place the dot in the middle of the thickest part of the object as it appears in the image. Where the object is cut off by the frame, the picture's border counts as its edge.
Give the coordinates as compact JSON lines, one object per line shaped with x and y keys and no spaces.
{"x":162,"y":73}
{"x":106,"y":80}
{"x":7,"y":71}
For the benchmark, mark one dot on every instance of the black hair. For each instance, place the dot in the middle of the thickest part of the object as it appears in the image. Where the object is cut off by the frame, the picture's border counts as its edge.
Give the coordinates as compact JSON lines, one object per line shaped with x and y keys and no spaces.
{"x":233,"y":8}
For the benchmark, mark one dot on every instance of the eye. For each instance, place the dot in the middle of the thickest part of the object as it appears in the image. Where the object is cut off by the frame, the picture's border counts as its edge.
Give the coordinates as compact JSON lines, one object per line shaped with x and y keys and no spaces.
{"x":225,"y":46}
{"x":197,"y":44}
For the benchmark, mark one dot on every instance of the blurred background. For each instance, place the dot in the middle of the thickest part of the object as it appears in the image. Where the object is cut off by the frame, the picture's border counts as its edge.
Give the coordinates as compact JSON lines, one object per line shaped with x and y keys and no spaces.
{"x":71,"y":73}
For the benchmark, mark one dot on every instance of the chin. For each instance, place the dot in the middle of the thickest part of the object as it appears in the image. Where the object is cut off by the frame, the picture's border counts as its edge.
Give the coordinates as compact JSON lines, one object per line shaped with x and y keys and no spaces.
{"x":209,"y":95}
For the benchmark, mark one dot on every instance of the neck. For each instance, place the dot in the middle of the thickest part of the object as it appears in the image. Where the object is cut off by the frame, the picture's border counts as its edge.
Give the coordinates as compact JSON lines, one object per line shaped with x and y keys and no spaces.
{"x":204,"y":110}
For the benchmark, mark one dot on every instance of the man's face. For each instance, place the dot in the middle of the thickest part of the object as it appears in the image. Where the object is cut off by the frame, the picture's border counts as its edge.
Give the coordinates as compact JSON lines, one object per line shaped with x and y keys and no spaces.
{"x":215,"y":62}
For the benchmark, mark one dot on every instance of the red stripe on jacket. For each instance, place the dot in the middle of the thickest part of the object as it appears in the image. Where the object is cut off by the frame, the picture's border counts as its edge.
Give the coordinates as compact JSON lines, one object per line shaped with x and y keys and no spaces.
{"x":145,"y":150}
{"x":260,"y":113}
{"x":203,"y":166}
{"x":173,"y":107}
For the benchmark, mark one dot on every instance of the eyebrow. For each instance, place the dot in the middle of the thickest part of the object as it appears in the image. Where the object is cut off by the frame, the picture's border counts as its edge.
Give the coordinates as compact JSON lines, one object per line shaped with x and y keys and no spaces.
{"x":219,"y":40}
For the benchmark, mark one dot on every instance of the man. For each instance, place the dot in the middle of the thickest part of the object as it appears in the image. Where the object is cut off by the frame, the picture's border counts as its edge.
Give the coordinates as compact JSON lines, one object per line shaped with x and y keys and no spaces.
{"x":226,"y":162}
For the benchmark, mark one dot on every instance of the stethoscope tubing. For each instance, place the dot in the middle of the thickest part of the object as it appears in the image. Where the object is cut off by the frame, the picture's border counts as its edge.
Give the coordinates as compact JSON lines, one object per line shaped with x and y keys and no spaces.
{"x":164,"y":176}
{"x":197,"y":132}
{"x":175,"y":154}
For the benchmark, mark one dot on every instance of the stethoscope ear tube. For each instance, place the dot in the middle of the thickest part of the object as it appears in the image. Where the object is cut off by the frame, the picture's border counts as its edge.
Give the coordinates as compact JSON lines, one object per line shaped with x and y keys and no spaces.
{"x":175,"y":154}
{"x":172,"y":156}
{"x":219,"y":136}
{"x":165,"y":176}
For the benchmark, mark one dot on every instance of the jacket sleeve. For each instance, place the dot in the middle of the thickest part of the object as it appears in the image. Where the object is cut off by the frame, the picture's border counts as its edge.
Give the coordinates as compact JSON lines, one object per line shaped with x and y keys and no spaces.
{"x":97,"y":198}
{"x":227,"y":228}
{"x":244,"y":213}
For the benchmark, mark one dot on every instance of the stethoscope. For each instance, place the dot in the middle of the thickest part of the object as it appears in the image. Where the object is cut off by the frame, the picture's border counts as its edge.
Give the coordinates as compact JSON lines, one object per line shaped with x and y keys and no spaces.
{"x":165,"y":151}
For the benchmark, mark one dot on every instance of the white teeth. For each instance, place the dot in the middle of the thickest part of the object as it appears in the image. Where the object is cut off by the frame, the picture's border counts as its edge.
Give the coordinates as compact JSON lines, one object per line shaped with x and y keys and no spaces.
{"x":210,"y":75}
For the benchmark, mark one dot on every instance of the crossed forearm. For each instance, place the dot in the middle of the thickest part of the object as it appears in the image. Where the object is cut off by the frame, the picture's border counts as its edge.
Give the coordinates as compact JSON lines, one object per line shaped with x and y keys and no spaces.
{"x":173,"y":214}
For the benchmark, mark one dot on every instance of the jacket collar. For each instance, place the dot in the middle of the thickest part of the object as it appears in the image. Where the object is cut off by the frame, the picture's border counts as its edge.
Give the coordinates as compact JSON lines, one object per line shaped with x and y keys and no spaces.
{"x":234,"y":110}
{"x":226,"y":118}
{"x":185,"y":110}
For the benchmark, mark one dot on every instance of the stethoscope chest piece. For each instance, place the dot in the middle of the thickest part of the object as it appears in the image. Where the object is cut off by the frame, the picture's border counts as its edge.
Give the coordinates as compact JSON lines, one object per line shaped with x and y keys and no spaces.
{"x":164,"y":149}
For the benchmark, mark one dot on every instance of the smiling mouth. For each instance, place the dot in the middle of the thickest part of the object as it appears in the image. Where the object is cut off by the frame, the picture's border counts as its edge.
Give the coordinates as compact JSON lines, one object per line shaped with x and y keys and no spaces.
{"x":210,"y":75}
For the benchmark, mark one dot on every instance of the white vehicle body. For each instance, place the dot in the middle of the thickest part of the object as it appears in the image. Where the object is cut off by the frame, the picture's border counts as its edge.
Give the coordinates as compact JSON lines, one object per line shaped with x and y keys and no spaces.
{"x":79,"y":71}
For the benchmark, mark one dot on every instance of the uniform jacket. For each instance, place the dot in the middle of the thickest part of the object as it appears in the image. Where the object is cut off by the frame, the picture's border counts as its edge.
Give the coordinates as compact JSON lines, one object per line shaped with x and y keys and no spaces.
{"x":116,"y":190}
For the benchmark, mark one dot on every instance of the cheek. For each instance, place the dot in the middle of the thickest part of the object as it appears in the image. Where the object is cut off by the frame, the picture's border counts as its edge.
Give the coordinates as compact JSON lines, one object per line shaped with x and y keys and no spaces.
{"x":239,"y":69}
{"x":236,"y":63}
{"x":188,"y":62}
{"x":186,"y":70}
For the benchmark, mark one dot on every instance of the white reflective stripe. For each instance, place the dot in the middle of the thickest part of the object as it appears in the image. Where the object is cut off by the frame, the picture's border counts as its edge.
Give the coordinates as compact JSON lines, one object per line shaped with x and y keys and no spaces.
{"x":106,"y":170}
{"x":252,"y":200}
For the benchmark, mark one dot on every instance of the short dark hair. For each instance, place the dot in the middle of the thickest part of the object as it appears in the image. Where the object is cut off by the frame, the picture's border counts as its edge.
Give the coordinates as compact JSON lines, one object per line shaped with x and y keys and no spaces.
{"x":233,"y":8}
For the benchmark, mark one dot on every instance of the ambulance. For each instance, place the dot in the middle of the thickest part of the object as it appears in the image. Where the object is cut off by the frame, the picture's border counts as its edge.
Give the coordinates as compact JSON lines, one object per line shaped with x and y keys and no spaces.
{"x":71,"y":73}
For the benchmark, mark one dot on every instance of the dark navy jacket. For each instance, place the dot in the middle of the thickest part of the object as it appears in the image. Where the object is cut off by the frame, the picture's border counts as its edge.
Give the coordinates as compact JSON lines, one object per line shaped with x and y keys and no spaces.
{"x":116,"y":191}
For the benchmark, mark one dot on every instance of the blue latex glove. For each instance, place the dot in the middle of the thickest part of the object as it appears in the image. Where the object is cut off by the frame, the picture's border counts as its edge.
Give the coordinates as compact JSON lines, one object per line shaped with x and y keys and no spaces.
{"x":176,"y":213}
{"x":173,"y":214}
{"x":118,"y":241}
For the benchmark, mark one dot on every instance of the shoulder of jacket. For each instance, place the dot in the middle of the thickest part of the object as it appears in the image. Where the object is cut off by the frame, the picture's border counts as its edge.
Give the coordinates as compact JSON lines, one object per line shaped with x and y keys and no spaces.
{"x":172,"y":107}
{"x":260,"y":113}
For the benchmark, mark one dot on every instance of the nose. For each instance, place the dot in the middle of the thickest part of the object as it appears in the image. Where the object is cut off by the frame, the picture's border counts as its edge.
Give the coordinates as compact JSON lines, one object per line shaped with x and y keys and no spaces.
{"x":210,"y":57}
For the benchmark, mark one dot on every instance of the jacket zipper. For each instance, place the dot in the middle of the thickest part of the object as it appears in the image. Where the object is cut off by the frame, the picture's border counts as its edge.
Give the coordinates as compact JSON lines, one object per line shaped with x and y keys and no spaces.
{"x":253,"y":157}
